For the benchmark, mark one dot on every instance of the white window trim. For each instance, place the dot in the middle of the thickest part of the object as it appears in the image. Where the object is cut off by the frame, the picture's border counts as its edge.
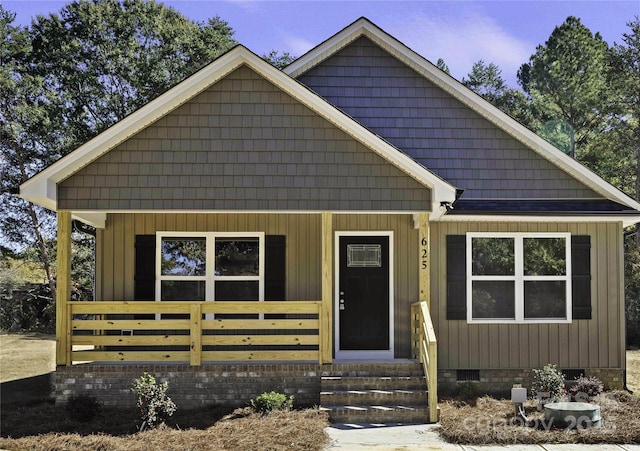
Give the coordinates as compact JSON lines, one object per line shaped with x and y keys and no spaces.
{"x":210,"y":277}
{"x":519,"y":278}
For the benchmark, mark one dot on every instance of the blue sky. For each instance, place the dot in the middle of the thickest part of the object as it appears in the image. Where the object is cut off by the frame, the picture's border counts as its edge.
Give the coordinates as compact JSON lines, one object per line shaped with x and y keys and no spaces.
{"x":460,"y":32}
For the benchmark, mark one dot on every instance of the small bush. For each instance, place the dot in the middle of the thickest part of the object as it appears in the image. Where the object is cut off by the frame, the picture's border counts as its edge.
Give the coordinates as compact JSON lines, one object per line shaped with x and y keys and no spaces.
{"x":82,"y":408}
{"x":548,"y":380}
{"x":586,"y":388}
{"x":267,"y":402}
{"x":153,"y":403}
{"x":468,"y":391}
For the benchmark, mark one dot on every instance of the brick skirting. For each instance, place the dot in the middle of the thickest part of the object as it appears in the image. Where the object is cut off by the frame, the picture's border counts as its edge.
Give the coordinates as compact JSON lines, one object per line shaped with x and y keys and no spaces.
{"x":234,"y":385}
{"x":228,"y":385}
{"x":221,"y":384}
{"x":500,"y":381}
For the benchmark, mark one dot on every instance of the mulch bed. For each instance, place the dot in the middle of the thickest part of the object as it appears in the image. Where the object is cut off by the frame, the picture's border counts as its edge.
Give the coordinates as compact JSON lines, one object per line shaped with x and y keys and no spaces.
{"x":47,"y":427}
{"x":491,"y":421}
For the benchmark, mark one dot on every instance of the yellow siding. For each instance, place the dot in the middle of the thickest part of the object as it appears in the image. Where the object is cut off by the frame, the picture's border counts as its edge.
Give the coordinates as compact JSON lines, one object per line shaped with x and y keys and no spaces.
{"x":116,"y":252}
{"x":595,"y":343}
{"x":405,"y":275}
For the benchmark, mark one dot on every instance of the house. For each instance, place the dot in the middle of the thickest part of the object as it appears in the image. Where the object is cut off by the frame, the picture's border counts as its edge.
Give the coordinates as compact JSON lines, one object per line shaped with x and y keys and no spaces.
{"x":358,"y":211}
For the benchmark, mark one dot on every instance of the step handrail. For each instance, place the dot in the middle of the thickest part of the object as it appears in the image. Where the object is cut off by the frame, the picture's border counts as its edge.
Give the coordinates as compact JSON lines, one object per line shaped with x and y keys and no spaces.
{"x":425,"y":349}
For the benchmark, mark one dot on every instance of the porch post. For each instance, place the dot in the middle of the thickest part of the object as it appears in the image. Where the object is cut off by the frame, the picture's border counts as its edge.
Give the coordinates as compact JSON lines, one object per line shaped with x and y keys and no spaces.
{"x":63,"y":288}
{"x":424,"y":259}
{"x":326,"y":320}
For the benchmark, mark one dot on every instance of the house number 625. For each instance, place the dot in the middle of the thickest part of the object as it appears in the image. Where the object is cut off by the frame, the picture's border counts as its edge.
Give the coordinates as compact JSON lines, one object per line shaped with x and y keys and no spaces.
{"x":424,"y":252}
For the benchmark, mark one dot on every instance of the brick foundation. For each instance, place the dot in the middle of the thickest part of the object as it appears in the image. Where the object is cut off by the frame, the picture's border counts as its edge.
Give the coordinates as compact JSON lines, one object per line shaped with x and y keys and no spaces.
{"x":234,"y":385}
{"x":500,"y":381}
{"x":226,"y":385}
{"x":230,"y":385}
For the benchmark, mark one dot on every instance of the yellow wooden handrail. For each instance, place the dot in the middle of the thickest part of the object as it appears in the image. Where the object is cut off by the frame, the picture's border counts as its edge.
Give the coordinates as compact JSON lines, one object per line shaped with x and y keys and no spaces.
{"x":95,"y":324}
{"x":425,"y":349}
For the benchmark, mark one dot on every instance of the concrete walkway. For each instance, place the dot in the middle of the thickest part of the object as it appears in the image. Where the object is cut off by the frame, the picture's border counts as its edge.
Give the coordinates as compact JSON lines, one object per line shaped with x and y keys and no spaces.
{"x":425,"y":437}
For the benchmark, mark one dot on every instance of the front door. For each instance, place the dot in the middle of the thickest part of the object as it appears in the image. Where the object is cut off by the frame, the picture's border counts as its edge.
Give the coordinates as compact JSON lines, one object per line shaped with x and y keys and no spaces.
{"x":363,"y":308}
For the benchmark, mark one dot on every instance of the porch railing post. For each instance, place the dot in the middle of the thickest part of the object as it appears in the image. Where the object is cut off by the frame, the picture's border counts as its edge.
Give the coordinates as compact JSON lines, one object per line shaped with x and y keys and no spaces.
{"x":326,"y":330}
{"x":195,"y":348}
{"x":63,"y":287}
{"x":424,"y":263}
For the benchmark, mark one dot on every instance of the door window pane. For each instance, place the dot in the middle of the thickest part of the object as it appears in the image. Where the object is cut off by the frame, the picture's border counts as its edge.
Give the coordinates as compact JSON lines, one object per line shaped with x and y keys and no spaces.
{"x":493,"y":299}
{"x":545,"y":256}
{"x":183,"y":257}
{"x":364,"y":255}
{"x":545,"y":299}
{"x":493,"y":256}
{"x":237,"y":257}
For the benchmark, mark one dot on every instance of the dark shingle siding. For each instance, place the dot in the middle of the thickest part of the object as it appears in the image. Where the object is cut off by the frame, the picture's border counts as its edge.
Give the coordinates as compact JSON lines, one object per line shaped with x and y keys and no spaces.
{"x":243,"y":144}
{"x":434,"y":128}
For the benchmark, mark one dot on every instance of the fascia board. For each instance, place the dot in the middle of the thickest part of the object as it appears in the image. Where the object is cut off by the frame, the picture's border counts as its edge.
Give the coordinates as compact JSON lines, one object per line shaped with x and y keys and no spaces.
{"x":363,"y":27}
{"x":627,"y":220}
{"x":33,"y":188}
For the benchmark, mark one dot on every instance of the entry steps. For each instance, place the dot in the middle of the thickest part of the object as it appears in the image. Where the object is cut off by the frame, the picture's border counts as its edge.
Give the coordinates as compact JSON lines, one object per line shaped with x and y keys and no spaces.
{"x":375,"y":393}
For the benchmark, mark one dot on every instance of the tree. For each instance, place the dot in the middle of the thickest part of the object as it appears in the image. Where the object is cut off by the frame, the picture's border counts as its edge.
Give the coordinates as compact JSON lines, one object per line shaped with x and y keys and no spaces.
{"x":621,"y":158}
{"x":73,"y":74}
{"x":566,"y":80}
{"x":28,"y":142}
{"x":278,"y":60}
{"x":487,"y":82}
{"x":106,"y":58}
{"x":624,"y":76}
{"x":443,"y":66}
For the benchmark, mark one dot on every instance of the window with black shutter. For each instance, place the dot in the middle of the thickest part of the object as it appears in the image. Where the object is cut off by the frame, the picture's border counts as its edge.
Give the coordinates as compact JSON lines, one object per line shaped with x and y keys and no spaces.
{"x":518,"y":277}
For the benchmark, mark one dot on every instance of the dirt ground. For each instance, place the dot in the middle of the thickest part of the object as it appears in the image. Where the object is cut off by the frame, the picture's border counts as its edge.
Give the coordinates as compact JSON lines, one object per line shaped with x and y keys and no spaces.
{"x":27,"y":355}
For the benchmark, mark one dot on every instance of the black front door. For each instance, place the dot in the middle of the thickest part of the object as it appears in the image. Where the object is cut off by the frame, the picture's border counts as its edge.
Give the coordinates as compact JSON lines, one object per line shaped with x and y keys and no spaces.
{"x":363,"y":302}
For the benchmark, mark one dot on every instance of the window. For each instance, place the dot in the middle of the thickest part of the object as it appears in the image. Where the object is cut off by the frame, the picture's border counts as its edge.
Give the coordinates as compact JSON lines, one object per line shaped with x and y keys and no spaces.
{"x":518,"y":277}
{"x":212,"y":266}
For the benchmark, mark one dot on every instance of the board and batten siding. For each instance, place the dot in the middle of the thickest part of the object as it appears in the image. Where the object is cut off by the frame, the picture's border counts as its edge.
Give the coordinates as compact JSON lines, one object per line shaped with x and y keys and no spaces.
{"x":594,"y":343}
{"x":115,"y":257}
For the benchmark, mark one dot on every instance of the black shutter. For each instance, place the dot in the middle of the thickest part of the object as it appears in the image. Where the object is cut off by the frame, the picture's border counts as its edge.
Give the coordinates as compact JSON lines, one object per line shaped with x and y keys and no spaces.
{"x":581,"y":276}
{"x":275,"y":267}
{"x":145,"y":275}
{"x":456,"y":277}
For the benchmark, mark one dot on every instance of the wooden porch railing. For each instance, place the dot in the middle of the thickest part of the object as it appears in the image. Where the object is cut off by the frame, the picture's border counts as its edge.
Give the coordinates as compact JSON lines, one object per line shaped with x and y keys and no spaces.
{"x":424,"y":347}
{"x":194,"y":332}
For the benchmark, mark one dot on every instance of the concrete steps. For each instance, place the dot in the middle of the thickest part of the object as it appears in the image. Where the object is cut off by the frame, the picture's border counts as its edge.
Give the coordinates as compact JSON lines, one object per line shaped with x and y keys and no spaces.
{"x":375,"y":393}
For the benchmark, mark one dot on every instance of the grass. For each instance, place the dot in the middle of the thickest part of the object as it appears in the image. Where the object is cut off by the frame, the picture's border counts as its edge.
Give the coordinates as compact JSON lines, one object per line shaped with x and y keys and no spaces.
{"x":26,"y":355}
{"x":633,"y":370}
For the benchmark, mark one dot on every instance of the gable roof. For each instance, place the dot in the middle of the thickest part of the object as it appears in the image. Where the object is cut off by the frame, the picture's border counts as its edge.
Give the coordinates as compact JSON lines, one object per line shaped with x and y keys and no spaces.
{"x":364,"y":28}
{"x":42,"y":188}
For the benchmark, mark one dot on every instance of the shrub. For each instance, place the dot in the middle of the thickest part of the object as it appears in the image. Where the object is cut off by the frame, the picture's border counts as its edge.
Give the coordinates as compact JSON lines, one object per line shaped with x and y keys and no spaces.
{"x":153,"y":403}
{"x":266,"y":402}
{"x":82,"y":408}
{"x":468,"y":390}
{"x":586,"y":388}
{"x":548,"y":380}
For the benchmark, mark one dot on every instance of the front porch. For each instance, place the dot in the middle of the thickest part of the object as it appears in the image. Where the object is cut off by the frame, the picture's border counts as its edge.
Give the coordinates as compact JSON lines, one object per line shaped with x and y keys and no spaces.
{"x":197,"y":339}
